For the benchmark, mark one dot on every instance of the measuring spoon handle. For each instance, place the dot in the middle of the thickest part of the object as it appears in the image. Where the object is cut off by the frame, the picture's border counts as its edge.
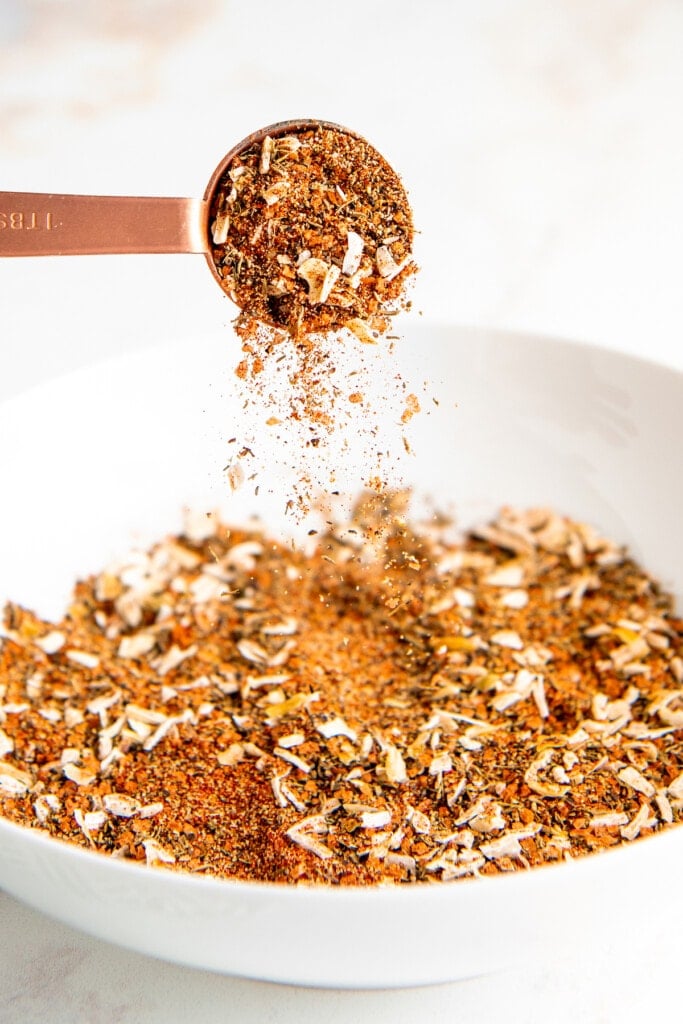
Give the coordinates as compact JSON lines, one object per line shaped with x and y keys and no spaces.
{"x":44,"y":224}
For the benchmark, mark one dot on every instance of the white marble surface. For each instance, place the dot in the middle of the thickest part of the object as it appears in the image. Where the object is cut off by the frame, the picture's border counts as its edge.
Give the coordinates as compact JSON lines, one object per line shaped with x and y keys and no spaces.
{"x":543,"y":148}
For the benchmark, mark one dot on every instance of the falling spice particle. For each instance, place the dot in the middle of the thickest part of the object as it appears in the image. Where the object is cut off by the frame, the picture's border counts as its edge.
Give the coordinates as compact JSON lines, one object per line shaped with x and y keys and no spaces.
{"x":411,"y":409}
{"x":349,"y":714}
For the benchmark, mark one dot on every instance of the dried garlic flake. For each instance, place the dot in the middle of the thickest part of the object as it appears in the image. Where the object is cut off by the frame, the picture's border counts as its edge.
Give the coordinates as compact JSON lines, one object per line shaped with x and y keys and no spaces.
{"x":320,"y":277}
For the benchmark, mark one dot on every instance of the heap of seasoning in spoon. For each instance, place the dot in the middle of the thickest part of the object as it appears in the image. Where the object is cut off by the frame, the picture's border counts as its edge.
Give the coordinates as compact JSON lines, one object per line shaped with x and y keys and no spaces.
{"x":312,"y":232}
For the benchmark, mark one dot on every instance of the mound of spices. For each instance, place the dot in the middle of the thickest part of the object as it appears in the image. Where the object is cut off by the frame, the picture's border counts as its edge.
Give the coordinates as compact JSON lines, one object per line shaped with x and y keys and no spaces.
{"x":391,"y":706}
{"x":312,"y":232}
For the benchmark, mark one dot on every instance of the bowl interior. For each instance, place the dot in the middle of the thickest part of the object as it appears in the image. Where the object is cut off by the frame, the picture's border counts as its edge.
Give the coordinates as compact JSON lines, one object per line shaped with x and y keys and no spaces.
{"x":110,"y":455}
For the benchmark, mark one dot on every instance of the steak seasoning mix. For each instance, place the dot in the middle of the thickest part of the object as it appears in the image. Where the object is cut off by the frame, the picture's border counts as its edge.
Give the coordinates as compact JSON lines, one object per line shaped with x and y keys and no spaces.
{"x":387,"y":703}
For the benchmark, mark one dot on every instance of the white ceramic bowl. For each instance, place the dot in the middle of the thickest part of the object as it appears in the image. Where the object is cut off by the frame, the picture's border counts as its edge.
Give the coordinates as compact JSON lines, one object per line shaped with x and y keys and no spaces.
{"x":100,"y":456}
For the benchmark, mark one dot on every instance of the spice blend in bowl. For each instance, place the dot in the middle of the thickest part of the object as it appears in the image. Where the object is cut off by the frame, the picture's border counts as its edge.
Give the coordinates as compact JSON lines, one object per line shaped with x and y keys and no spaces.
{"x":534,"y":420}
{"x":390,"y":705}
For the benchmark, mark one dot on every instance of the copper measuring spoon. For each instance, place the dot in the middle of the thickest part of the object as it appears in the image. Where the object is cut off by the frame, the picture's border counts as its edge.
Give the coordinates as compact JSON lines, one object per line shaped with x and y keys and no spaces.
{"x":45,"y":224}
